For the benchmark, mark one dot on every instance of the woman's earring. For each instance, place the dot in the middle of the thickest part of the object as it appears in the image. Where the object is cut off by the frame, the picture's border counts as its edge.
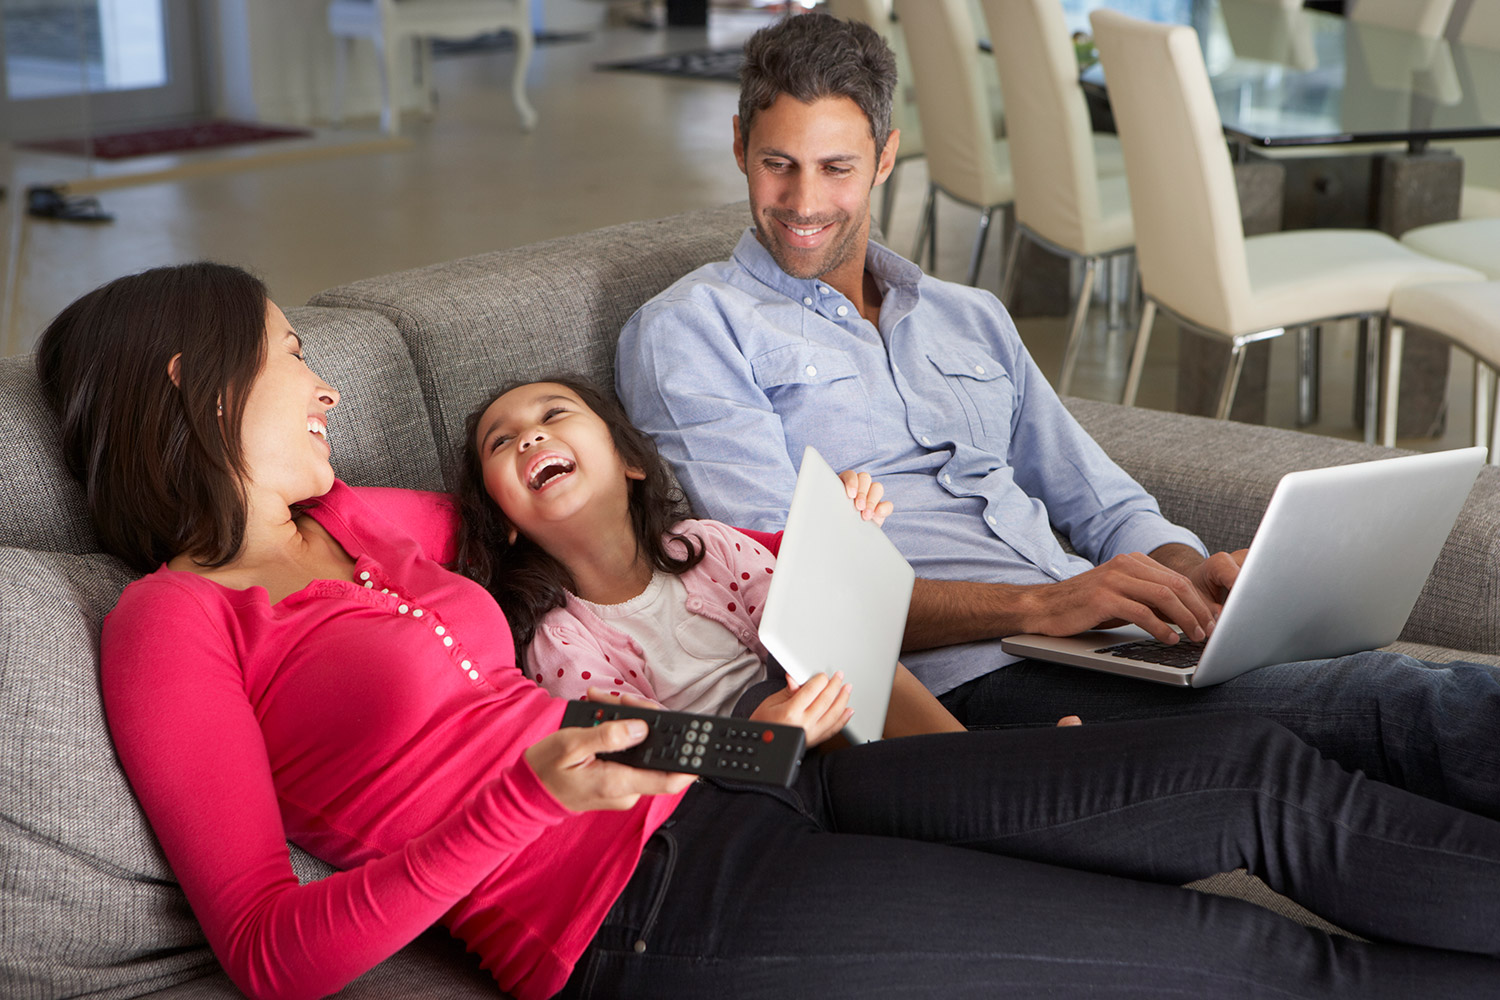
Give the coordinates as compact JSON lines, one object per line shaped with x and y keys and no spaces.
{"x":221,"y":409}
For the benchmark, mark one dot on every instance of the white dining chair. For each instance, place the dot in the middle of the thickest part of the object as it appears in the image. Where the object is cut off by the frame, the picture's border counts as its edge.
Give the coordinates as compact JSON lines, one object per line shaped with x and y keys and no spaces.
{"x":1422,"y":17}
{"x":1480,"y":29}
{"x":390,"y":24}
{"x":877,"y":14}
{"x":1061,"y":201}
{"x":964,"y":159}
{"x":1471,"y":242}
{"x":1467,"y":315}
{"x":1194,"y":260}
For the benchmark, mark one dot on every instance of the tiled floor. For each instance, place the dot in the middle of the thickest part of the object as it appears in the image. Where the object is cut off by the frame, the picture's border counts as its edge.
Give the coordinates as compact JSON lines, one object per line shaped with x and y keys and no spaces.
{"x":610,"y":147}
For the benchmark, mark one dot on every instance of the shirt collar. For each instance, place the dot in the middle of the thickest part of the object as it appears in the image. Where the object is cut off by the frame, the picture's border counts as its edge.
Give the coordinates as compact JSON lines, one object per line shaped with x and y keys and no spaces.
{"x":889,"y":268}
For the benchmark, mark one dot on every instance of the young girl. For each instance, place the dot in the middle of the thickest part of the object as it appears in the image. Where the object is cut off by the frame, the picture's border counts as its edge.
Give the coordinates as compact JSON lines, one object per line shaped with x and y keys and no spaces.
{"x":571,"y":521}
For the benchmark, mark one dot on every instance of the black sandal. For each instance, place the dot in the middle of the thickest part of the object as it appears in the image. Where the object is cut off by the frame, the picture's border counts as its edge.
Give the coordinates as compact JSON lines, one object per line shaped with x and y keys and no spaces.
{"x":50,"y":203}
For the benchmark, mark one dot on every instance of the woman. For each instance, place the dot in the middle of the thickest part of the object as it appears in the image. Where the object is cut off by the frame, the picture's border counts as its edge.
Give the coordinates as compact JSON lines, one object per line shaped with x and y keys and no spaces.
{"x":298,"y":663}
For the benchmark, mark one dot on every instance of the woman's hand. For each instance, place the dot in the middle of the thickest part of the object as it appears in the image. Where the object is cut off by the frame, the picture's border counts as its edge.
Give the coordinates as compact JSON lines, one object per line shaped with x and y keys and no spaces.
{"x":820,"y":706}
{"x":567,"y":765}
{"x":866,"y":494}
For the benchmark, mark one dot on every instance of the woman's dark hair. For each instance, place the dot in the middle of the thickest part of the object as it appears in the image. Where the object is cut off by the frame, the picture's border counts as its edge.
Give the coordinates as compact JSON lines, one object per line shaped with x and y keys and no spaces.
{"x":161,"y":469}
{"x":812,"y":56}
{"x":524,"y":579}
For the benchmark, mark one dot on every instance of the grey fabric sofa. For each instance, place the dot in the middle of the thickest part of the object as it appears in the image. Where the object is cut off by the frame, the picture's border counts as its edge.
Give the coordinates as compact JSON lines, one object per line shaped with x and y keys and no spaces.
{"x":87,"y":905}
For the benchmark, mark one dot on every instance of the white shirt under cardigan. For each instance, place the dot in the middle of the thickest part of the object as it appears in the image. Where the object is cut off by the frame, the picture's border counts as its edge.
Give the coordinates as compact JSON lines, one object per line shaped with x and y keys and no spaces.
{"x":710,"y":628}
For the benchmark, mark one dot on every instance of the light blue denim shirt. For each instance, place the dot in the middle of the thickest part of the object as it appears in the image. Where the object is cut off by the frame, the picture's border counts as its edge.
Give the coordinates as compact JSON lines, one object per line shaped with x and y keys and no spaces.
{"x":737,"y":366}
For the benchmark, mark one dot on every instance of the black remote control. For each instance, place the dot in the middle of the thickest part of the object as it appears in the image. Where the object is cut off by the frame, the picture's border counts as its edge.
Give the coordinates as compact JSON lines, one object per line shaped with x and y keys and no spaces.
{"x":716,"y":746}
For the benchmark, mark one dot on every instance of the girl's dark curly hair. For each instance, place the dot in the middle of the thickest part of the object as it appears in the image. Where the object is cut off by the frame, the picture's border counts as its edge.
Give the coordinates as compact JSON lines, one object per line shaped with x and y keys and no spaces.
{"x":524,"y":579}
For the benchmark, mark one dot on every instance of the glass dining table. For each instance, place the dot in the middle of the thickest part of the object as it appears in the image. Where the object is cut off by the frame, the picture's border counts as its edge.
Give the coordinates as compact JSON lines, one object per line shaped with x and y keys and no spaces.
{"x":1322,"y":88}
{"x":1286,"y":78}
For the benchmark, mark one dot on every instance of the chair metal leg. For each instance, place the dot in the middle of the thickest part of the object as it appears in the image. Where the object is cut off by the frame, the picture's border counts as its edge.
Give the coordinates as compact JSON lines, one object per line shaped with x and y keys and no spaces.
{"x":525,"y":43}
{"x":387,"y":59}
{"x":980,"y":239}
{"x":1484,"y":392}
{"x":1075,"y":328}
{"x":1138,"y":355}
{"x":340,"y":77}
{"x":1494,"y":441}
{"x":425,"y":87}
{"x":926,"y":224}
{"x":1116,"y":275}
{"x":1012,"y":259}
{"x":1395,"y":339}
{"x":1372,"y":339}
{"x":1309,"y":364}
{"x":1231,"y":383}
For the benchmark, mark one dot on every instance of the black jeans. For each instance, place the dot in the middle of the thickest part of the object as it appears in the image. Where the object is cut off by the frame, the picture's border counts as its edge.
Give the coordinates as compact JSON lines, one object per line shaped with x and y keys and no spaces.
{"x":1048,"y":862}
{"x":1433,"y":729}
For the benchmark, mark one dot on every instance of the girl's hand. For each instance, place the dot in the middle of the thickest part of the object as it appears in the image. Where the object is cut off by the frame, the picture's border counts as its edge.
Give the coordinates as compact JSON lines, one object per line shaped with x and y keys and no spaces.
{"x":566,"y":763}
{"x":1070,"y":720}
{"x":866,"y":494}
{"x":820,"y":706}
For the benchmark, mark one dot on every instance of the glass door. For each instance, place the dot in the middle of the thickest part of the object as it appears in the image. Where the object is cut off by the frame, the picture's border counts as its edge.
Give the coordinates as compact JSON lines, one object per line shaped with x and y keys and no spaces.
{"x":90,"y":67}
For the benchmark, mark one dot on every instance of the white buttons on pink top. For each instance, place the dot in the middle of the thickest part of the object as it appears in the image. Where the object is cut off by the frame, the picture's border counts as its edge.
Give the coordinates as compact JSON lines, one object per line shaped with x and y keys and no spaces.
{"x":403,"y":609}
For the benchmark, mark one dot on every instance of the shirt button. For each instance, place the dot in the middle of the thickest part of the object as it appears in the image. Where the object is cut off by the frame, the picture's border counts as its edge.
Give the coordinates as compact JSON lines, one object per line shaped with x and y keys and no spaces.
{"x":807,"y":300}
{"x":947,"y":479}
{"x":370,"y":584}
{"x":990,"y":518}
{"x":979,"y":369}
{"x":926,"y":440}
{"x":447,"y":640}
{"x":822,"y":290}
{"x":473,"y":675}
{"x":812,"y":370}
{"x":842,"y":310}
{"x":403,"y":609}
{"x":466,"y":664}
{"x":365,"y":575}
{"x":440,"y":630}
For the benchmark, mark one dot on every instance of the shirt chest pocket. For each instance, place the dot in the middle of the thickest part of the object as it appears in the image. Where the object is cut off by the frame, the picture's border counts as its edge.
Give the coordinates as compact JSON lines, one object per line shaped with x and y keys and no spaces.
{"x":982,"y":389}
{"x":821,"y":400}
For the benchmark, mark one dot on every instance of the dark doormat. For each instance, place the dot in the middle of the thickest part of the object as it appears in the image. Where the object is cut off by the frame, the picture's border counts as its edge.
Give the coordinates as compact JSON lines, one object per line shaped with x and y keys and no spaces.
{"x":706,"y":64}
{"x":182,"y":138}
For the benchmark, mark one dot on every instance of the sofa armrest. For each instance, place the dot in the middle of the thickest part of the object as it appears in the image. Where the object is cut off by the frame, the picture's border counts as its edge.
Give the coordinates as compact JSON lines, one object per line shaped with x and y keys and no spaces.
{"x":1216,"y":478}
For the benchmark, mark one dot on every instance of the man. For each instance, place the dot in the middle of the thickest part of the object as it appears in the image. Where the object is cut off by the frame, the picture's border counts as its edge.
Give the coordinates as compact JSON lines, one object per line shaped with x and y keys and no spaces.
{"x":811,"y":334}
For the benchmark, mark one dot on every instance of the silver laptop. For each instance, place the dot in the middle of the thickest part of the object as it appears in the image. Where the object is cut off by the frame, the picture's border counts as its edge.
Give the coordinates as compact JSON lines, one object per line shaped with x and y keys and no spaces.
{"x":839,"y":597}
{"x":1336,"y":566}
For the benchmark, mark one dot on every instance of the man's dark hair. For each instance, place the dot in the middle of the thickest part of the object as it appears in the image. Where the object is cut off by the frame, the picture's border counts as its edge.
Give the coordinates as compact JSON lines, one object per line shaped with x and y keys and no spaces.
{"x":812,"y":56}
{"x":161,"y":469}
{"x":526,"y":581}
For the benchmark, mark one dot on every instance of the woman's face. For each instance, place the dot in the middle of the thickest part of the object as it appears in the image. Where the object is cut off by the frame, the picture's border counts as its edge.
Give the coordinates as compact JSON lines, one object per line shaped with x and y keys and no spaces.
{"x":284,"y":433}
{"x":547,"y":458}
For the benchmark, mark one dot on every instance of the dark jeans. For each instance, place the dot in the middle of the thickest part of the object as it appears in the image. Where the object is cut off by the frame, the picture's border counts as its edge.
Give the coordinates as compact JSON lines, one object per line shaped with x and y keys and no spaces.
{"x":1047,"y":861}
{"x":1433,"y":729}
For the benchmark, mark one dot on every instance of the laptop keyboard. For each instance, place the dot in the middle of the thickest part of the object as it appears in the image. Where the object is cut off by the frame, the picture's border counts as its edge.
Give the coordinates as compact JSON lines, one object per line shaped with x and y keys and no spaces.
{"x":1183,"y":654}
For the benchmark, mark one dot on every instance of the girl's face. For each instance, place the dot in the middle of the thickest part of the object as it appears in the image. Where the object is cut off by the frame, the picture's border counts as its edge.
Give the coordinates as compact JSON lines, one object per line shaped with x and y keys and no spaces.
{"x":284,"y":433}
{"x":548,"y":458}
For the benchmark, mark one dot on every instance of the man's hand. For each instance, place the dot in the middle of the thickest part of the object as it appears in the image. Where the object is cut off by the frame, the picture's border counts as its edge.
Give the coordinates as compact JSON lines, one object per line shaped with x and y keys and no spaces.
{"x":820,"y":706}
{"x":567,"y":765}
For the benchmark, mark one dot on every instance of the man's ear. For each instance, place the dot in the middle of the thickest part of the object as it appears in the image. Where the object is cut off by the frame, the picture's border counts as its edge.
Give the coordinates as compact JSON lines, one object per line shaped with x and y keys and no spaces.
{"x":174,"y":369}
{"x":739,"y":146}
{"x":888,"y":156}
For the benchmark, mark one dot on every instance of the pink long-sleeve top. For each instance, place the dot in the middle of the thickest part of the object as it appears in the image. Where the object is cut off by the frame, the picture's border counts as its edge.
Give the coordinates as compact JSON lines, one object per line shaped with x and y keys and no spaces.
{"x":379,"y":724}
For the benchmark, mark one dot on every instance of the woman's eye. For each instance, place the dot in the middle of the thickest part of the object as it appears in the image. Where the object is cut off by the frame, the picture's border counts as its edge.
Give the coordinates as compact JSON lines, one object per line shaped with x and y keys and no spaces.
{"x":552,"y":413}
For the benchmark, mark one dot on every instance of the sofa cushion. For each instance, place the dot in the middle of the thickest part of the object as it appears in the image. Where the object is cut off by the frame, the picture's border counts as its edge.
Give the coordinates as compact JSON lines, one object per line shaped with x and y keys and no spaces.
{"x":476,"y":323}
{"x":90,"y":904}
{"x":41,"y":506}
{"x":380,"y":432}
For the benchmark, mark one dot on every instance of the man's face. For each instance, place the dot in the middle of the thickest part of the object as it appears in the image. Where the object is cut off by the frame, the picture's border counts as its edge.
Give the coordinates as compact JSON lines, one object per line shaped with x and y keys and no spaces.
{"x":811,"y":168}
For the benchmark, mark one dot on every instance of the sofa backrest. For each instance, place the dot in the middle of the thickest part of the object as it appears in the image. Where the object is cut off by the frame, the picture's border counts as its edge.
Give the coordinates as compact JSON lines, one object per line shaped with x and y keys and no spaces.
{"x":474,"y":324}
